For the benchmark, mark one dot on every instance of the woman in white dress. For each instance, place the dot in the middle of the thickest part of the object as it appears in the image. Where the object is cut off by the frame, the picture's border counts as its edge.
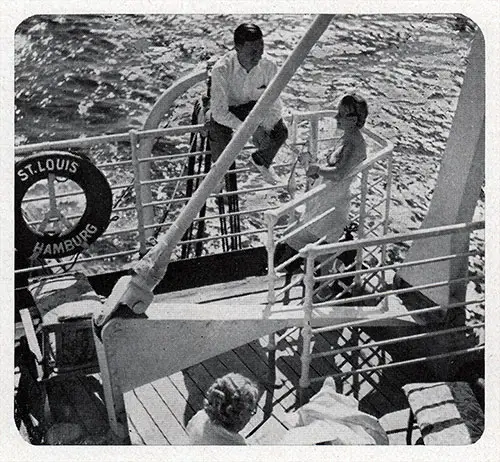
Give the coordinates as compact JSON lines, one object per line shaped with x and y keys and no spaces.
{"x":349,"y":152}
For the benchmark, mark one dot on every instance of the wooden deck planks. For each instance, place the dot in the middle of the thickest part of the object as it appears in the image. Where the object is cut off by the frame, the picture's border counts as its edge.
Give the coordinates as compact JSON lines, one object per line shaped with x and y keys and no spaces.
{"x":277,"y":373}
{"x":146,"y":429}
{"x":223,"y":364}
{"x":158,"y":412}
{"x":164,"y":418}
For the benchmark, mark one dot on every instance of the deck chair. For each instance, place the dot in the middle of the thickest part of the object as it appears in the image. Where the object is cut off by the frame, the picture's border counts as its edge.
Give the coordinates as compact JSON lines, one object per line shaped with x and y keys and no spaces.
{"x":447,"y":413}
{"x":53,"y":338}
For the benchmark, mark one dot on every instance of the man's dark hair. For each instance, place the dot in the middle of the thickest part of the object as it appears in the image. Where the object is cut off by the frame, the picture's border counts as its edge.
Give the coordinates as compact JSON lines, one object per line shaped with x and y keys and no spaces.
{"x":247,"y":33}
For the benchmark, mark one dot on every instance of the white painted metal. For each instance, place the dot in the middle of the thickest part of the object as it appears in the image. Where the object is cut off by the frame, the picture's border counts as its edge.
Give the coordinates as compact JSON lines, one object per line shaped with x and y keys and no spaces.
{"x":141,"y":194}
{"x":459,"y":183}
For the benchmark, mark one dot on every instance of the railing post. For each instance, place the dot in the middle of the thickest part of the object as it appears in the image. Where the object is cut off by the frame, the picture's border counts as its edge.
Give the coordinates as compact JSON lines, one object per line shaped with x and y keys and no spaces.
{"x":270,"y":247}
{"x":138,"y":192}
{"x":361,"y":225}
{"x":305,"y":381}
{"x":271,"y":274}
{"x":388,"y":186}
{"x":293,"y":130}
{"x":313,"y":144}
{"x":292,"y":185}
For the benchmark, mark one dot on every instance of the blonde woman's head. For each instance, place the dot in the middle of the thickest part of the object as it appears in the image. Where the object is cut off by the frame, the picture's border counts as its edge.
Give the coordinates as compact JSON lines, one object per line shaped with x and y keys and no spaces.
{"x":231,"y":401}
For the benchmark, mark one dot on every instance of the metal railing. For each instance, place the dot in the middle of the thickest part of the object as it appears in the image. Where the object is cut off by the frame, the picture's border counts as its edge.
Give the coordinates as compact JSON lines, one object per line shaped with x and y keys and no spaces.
{"x":142,"y":183}
{"x":366,"y":308}
{"x":370,"y":207}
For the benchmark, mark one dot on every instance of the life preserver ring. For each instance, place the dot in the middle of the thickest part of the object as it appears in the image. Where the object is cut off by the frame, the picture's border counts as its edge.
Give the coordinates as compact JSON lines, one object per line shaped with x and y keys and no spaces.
{"x":93,"y":222}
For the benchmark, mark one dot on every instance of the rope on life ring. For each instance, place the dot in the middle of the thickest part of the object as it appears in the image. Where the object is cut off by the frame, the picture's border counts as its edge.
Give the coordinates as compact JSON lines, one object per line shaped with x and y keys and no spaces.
{"x":33,"y":243}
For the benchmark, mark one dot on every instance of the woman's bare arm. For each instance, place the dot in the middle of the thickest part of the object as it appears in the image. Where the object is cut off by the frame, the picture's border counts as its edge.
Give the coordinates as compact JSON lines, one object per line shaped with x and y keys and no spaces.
{"x":343,"y":165}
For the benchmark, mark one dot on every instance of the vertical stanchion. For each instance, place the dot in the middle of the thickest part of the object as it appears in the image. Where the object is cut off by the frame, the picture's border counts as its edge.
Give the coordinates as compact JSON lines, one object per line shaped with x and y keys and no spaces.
{"x":313,"y":145}
{"x":361,"y":226}
{"x":313,"y":137}
{"x":138,"y":192}
{"x":388,"y":185}
{"x":355,"y":361}
{"x":304,"y":380}
{"x":271,"y":274}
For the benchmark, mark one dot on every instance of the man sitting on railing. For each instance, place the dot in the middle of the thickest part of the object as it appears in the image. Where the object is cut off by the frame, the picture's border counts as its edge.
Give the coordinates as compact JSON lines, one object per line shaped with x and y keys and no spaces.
{"x":238,"y":79}
{"x":349,"y":153}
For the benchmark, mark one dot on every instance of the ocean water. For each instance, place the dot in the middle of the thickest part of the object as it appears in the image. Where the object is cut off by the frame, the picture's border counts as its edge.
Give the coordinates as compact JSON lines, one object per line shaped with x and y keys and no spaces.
{"x":86,"y":75}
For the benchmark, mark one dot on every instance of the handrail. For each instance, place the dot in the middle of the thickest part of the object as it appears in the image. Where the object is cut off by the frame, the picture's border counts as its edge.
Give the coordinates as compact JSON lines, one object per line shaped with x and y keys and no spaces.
{"x":384,"y":154}
{"x":312,"y":251}
{"x":331,"y":277}
{"x":167,"y":158}
{"x":315,"y":251}
{"x":291,"y":205}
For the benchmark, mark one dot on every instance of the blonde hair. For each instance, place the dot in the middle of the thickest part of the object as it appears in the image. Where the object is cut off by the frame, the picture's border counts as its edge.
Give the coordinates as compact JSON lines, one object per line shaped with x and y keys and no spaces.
{"x":231,"y":400}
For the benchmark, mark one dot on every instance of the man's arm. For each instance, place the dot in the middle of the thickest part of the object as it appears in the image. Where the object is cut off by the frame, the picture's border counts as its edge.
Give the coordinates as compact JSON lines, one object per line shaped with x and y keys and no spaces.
{"x":219,"y":103}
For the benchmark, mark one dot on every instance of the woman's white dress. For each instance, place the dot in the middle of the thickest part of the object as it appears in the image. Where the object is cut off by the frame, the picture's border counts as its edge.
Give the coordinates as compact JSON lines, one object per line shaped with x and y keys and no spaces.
{"x":337,"y":193}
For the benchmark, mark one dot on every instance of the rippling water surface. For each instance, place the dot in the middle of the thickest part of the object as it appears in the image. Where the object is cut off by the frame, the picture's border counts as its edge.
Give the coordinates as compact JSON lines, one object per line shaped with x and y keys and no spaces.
{"x":87,"y":75}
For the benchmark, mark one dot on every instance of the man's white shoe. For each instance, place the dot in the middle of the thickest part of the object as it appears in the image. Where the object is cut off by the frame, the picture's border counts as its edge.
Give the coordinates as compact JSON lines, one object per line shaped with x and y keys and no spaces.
{"x":267,"y":173}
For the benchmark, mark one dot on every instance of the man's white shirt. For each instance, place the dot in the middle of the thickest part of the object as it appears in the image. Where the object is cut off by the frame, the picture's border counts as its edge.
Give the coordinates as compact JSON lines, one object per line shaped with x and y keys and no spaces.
{"x":232,"y":85}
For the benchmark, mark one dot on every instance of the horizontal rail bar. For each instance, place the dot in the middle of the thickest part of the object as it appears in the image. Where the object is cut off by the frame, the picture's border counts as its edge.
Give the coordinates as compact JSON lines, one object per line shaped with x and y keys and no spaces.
{"x":114,"y":164}
{"x":396,"y":340}
{"x":73,"y":143}
{"x":232,"y":193}
{"x":402,"y":363}
{"x":171,"y":157}
{"x":173,"y":131}
{"x":223,"y":236}
{"x":387,"y":316}
{"x":202,"y":175}
{"x":395,"y":266}
{"x":188,"y":177}
{"x":181,"y":156}
{"x":158,"y":132}
{"x":83,"y":260}
{"x":213,"y":217}
{"x":125,"y":208}
{"x":398,"y":291}
{"x":315,"y":251}
{"x":72,"y":193}
{"x":120,"y":231}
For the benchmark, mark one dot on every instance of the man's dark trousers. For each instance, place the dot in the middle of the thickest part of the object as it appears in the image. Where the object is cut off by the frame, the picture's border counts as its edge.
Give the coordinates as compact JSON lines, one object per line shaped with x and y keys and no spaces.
{"x":267,"y":143}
